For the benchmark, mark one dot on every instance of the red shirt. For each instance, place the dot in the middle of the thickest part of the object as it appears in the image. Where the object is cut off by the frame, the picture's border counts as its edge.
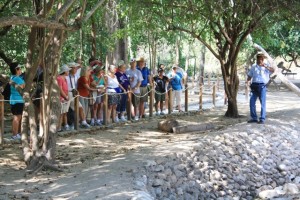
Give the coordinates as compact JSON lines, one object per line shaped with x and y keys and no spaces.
{"x":63,"y":85}
{"x":80,"y":86}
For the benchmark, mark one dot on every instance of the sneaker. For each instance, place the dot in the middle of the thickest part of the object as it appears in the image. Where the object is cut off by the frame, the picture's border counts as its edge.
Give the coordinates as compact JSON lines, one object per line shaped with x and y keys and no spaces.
{"x":67,"y":128}
{"x":16,"y":137}
{"x":84,"y":125}
{"x":162,"y":113}
{"x":123,"y":119}
{"x":136,"y":118}
{"x":116,"y":120}
{"x":261,"y":122}
{"x":92,"y":123}
{"x":156,"y":113}
{"x":98,"y":123}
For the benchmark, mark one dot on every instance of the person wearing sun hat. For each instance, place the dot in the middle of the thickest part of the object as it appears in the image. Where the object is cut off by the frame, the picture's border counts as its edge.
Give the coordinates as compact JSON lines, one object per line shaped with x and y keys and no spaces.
{"x":259,"y":75}
{"x":64,"y":97}
{"x":141,"y":66}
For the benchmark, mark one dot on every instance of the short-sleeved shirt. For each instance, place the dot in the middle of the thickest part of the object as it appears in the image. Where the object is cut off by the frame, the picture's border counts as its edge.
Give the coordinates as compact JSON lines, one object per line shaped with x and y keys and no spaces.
{"x":123,"y":80}
{"x":259,"y":74}
{"x":160,"y":83}
{"x":63,"y":84}
{"x":15,"y":96}
{"x":137,"y":76}
{"x":80,"y":86}
{"x":72,"y":81}
{"x":176,"y":82}
{"x":98,"y":80}
{"x":145,"y":73}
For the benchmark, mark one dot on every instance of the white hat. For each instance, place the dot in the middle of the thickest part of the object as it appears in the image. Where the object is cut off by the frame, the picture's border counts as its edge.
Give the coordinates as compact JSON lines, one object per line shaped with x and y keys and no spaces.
{"x":64,"y":69}
{"x":73,"y":64}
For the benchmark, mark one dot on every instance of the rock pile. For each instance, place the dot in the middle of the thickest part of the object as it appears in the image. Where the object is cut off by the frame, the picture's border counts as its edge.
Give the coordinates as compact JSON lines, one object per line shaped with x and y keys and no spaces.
{"x":259,"y":162}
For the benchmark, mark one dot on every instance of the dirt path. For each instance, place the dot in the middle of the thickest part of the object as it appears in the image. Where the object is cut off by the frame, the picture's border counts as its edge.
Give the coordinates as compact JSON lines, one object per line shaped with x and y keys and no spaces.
{"x":99,"y":164}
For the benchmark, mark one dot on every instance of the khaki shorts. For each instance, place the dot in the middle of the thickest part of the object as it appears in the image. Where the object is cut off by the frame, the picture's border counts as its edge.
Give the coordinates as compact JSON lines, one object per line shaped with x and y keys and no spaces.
{"x":135,"y":98}
{"x":72,"y":101}
{"x":144,"y":94}
{"x":64,"y":107}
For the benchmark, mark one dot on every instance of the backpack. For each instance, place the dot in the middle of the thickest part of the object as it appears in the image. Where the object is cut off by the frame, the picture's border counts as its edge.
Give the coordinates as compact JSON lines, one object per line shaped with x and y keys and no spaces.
{"x":6,"y":92}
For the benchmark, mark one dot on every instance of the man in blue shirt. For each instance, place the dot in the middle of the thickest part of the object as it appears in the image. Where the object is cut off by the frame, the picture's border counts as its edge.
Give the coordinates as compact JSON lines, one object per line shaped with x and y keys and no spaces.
{"x":141,"y":65}
{"x":176,"y":83}
{"x":260,"y":75}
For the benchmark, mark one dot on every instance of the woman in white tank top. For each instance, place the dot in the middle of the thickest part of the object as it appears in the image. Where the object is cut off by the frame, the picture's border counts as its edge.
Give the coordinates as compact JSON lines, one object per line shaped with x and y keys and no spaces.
{"x":113,"y":89}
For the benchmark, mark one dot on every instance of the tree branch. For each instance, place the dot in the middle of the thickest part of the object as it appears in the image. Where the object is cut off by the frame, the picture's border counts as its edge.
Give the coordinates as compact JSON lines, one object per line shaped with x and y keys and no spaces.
{"x":7,"y":60}
{"x":93,"y":10}
{"x":35,"y":22}
{"x":63,"y":9}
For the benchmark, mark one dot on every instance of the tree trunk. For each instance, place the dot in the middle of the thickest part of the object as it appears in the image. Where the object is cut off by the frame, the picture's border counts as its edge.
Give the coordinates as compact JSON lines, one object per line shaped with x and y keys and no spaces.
{"x":202,"y":64}
{"x":93,"y":37}
{"x":232,"y":109}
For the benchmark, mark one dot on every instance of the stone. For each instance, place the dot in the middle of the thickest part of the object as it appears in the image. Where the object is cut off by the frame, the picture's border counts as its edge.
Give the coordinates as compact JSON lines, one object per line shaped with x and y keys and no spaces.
{"x":167,"y":125}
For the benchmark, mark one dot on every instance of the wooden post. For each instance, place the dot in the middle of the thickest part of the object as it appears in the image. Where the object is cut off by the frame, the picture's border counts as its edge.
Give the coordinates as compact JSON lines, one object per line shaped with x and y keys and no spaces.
{"x":151,"y":101}
{"x":105,"y":108}
{"x":128,"y":105}
{"x":246,"y":91}
{"x":1,"y":120}
{"x":200,"y":96}
{"x":76,"y":111}
{"x":208,"y":79}
{"x":170,"y":103}
{"x":218,"y":84}
{"x":214,"y":94}
{"x":186,"y":96}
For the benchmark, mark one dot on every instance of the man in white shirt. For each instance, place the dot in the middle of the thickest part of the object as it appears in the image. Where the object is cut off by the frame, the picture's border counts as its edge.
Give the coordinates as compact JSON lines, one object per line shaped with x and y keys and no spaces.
{"x":72,"y":86}
{"x":135,"y":78}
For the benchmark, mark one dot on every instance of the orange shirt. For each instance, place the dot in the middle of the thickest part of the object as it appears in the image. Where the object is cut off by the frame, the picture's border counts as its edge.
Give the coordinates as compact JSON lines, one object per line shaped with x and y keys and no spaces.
{"x":80,"y":86}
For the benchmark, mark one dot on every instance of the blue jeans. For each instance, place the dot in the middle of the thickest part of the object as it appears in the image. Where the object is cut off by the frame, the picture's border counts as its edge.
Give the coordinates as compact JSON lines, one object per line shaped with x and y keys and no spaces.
{"x":121,"y":107}
{"x":260,"y":93}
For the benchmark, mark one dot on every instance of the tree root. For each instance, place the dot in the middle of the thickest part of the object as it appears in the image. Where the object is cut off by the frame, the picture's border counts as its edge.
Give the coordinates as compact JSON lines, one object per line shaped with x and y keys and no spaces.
{"x":40,"y":163}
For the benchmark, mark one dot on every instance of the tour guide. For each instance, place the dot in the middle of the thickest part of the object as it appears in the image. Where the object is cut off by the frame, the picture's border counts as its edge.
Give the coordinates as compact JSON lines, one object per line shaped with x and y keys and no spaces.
{"x":259,"y":73}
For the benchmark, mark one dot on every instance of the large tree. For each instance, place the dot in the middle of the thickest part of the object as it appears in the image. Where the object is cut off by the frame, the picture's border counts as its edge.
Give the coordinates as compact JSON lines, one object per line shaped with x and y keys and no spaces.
{"x":221,"y":25}
{"x":48,"y":23}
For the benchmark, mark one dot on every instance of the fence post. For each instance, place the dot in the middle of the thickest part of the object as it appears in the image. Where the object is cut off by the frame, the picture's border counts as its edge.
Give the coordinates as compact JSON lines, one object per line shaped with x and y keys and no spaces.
{"x":151,"y":102}
{"x":128,"y":105}
{"x":218,"y":84}
{"x":170,"y":103}
{"x":200,"y":96}
{"x":186,"y":96}
{"x":105,"y":108}
{"x":214,"y":94}
{"x":1,"y":120}
{"x":76,"y":111}
{"x":246,"y":91}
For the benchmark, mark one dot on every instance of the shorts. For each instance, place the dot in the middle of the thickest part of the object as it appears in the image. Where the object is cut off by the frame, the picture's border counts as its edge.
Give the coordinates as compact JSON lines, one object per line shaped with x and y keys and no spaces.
{"x":17,"y":109}
{"x":113,"y":99}
{"x":144,"y":94}
{"x":70,"y":94}
{"x":160,"y":96}
{"x":135,"y":98}
{"x":64,"y":107}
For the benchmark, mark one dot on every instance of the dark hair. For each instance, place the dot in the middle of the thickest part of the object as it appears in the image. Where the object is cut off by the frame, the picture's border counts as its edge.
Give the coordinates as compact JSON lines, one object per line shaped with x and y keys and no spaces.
{"x":13,"y":67}
{"x":159,"y":66}
{"x":92,"y":59}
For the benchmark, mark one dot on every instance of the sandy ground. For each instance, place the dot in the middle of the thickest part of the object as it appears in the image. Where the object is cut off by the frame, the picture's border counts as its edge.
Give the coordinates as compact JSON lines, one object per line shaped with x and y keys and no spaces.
{"x":99,"y":164}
